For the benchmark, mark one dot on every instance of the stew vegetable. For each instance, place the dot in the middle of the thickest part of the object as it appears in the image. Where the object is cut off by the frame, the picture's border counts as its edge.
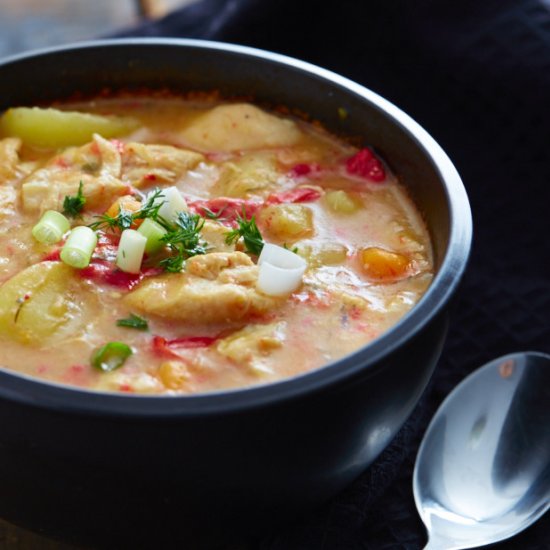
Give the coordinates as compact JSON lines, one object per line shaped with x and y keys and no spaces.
{"x":176,"y":246}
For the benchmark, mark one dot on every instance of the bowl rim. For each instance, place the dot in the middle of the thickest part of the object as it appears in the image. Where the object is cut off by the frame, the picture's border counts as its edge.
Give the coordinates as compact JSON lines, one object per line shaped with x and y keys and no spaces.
{"x":28,"y":390}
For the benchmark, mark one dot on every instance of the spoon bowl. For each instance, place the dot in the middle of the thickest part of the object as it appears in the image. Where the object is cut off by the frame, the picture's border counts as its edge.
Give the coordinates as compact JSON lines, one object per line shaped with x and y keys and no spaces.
{"x":482,"y":472}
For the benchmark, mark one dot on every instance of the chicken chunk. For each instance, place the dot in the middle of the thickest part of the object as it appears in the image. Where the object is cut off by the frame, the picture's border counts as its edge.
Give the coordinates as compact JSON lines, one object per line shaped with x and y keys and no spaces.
{"x":210,"y":266}
{"x":250,"y":345}
{"x":240,"y":126}
{"x":150,"y":164}
{"x":249,"y":176}
{"x":9,"y":159}
{"x":97,"y":165}
{"x":214,"y":234}
{"x":215,"y":288}
{"x":8,"y":197}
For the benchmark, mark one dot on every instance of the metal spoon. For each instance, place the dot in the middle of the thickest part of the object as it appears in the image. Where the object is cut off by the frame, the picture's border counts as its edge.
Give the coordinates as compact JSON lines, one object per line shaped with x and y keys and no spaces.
{"x":482,"y":473}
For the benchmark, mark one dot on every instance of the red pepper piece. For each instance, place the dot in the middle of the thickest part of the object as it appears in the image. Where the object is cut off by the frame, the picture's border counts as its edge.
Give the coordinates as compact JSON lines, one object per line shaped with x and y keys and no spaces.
{"x":226,"y":208}
{"x":162,"y":346}
{"x":304,"y":169}
{"x":299,"y":194}
{"x":301,"y":170}
{"x":53,"y":256}
{"x":366,"y":165}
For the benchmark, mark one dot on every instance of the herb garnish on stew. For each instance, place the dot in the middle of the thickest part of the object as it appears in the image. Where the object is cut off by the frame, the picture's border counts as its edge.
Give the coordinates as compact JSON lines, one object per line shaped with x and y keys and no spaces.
{"x":124,"y":219}
{"x":248,"y":230}
{"x":133,"y":321}
{"x":73,"y":205}
{"x":183,"y":239}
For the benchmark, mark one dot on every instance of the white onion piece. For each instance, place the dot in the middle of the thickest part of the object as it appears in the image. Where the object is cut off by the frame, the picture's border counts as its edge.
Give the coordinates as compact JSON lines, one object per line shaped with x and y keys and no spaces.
{"x":174,"y":203}
{"x":281,"y":270}
{"x":130,"y":251}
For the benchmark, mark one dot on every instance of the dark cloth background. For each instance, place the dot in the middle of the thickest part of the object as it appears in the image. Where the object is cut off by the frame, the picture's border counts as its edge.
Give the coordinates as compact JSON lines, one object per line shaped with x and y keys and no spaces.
{"x":476,"y":75}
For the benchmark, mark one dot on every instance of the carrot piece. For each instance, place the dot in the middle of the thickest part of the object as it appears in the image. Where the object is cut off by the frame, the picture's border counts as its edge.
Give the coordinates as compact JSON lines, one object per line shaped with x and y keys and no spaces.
{"x":127,"y":203}
{"x":381,"y":264}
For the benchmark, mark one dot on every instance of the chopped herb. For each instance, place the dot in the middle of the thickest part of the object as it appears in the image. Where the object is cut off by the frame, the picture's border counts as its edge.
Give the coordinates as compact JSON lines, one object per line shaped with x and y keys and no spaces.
{"x":111,"y":356}
{"x":184,"y":240}
{"x":213,"y":215}
{"x":173,"y":264}
{"x":151,"y":206}
{"x":133,"y":321}
{"x":124,"y":219}
{"x":20,"y":303}
{"x":293,"y":249}
{"x":73,"y":206}
{"x":250,"y":233}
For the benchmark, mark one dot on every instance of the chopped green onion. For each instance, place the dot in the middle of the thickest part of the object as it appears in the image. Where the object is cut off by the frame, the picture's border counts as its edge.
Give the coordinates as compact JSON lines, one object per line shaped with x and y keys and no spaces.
{"x":111,"y":356}
{"x":130,"y":251}
{"x":153,"y":232}
{"x":51,"y":227}
{"x":133,"y":321}
{"x":173,"y":204}
{"x":79,"y":247}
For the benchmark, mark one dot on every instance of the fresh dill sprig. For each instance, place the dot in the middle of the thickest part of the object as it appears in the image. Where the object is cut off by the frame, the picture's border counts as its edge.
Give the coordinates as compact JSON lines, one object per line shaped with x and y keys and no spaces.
{"x":73,"y":205}
{"x":125,"y":218}
{"x":248,"y":230}
{"x":184,"y":240}
{"x":211,"y":215}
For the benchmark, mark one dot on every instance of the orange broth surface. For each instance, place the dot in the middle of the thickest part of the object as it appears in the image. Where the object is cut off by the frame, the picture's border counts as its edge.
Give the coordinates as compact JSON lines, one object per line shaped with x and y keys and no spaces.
{"x":209,"y":326}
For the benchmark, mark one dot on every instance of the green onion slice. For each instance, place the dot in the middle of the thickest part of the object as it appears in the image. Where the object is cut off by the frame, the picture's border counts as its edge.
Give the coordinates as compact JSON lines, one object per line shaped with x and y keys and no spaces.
{"x":153,"y":232}
{"x":111,"y":356}
{"x":79,"y":247}
{"x":172,"y":204}
{"x":130,"y":251}
{"x":133,"y":321}
{"x":51,"y":227}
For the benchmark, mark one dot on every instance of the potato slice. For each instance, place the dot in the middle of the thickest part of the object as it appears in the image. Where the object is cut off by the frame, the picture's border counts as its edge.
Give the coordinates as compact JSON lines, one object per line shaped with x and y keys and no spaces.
{"x":55,"y":128}
{"x":322,"y":253}
{"x":341,"y":202}
{"x":39,"y":305}
{"x":240,"y":126}
{"x":287,"y":222}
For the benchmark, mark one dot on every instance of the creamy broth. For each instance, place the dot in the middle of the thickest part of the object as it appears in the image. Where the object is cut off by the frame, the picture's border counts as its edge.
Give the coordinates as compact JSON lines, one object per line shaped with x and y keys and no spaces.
{"x":210,"y":325}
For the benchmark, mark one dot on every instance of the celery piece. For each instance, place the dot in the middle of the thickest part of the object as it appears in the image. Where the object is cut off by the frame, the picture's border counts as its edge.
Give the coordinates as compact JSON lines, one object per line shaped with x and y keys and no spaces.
{"x":55,"y":128}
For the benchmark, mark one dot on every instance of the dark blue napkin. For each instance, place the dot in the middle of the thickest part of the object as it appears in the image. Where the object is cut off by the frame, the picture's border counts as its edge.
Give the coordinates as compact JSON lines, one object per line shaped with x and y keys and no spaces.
{"x":476,"y":75}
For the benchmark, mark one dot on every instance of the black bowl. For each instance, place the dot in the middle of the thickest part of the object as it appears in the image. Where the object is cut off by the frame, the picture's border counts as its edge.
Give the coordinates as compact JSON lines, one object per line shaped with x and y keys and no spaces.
{"x":135,"y":471}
